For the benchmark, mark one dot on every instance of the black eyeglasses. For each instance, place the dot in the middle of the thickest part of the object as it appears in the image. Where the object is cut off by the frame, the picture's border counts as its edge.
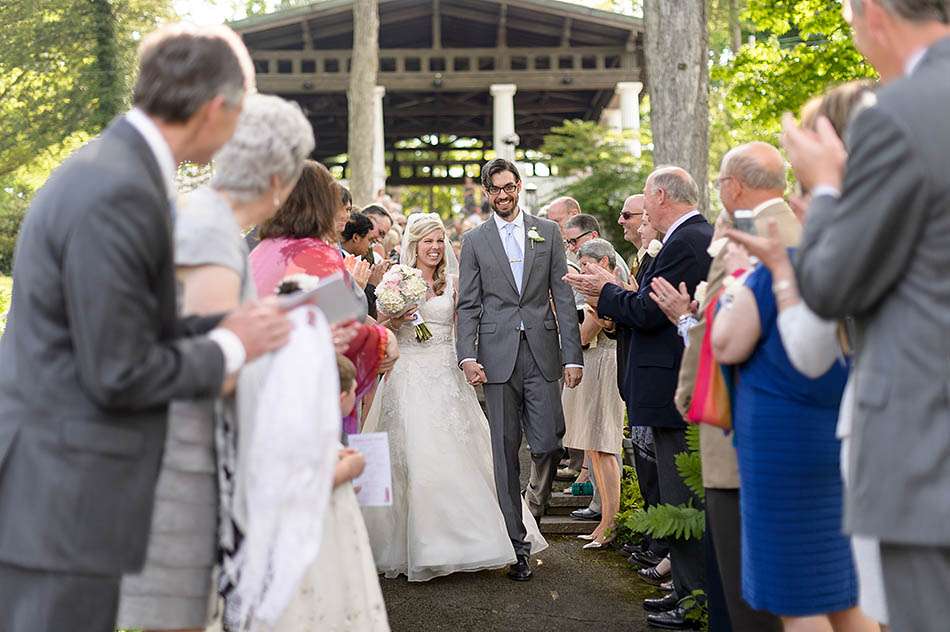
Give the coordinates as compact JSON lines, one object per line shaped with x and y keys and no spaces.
{"x":627,"y":215}
{"x":509,"y":188}
{"x":573,"y":242}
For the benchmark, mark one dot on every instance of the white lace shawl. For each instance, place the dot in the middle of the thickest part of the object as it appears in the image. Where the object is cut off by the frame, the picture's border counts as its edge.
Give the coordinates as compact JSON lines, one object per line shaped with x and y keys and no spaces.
{"x":288,"y":471}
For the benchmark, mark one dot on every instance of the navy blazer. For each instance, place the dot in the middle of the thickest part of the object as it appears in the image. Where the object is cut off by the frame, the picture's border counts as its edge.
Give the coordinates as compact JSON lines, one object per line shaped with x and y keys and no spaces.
{"x":655,"y":351}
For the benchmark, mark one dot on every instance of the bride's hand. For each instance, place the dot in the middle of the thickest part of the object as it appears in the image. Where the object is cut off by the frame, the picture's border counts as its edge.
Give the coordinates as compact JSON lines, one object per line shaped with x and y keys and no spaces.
{"x":395,"y":322}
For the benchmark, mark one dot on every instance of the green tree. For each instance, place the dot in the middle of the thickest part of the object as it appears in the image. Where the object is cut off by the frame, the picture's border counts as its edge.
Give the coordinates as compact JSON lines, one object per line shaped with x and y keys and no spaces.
{"x":602,"y":172}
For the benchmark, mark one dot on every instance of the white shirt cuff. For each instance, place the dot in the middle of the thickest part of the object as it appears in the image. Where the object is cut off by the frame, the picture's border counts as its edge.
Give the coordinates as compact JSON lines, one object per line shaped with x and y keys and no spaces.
{"x":466,"y":360}
{"x":825,"y":189}
{"x":573,"y":366}
{"x":232,"y":348}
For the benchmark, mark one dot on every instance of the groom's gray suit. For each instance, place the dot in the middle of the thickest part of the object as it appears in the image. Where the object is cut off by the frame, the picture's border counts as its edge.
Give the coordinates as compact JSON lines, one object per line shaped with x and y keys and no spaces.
{"x":523,"y":347}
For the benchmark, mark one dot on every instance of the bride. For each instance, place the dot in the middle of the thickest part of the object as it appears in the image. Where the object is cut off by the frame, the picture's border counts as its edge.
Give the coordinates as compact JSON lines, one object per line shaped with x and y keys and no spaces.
{"x":445,"y":516}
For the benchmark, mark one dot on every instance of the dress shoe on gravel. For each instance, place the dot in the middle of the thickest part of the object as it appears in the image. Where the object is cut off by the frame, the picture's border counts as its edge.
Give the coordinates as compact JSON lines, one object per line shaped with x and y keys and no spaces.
{"x":520,"y":571}
{"x":630,"y":548}
{"x":645,"y":559}
{"x":586,"y":514}
{"x":661,"y":604}
{"x":674,"y":619}
{"x":652,"y":576}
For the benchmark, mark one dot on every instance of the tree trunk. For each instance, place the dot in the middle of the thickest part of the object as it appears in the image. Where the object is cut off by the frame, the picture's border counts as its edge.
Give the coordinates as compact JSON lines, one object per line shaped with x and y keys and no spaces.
{"x":676,"y":41}
{"x":361,"y":99}
{"x":110,"y":88}
{"x":735,"y":29}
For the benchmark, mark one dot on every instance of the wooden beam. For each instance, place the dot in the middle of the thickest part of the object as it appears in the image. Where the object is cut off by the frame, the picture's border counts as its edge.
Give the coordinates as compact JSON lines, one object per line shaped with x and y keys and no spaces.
{"x":501,"y":38}
{"x":436,"y":25}
{"x":307,"y":37}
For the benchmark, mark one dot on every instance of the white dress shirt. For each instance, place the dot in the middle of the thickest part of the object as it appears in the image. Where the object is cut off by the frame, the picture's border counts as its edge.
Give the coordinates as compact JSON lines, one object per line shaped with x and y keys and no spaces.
{"x":231,"y":346}
{"x":678,"y":223}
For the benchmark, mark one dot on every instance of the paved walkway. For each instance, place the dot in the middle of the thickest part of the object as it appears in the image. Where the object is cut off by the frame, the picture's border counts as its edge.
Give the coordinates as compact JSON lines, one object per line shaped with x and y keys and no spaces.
{"x":572,"y":590}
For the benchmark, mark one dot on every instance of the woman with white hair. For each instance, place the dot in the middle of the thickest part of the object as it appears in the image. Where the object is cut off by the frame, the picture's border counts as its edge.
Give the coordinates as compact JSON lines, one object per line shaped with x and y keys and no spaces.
{"x":445,"y":516}
{"x":594,"y":412}
{"x":254,"y":173}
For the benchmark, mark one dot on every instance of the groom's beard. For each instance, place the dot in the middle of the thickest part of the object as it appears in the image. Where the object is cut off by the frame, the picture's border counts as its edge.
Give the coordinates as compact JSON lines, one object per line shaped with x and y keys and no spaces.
{"x":507,"y":213}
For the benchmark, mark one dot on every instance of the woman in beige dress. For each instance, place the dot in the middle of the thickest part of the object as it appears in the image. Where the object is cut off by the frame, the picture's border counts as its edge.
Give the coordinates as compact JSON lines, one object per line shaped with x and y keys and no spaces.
{"x":594,"y":412}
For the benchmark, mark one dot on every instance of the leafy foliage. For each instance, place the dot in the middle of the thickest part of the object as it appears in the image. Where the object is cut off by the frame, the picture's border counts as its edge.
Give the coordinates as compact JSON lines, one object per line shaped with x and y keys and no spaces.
{"x":4,"y":306}
{"x":801,"y":48}
{"x":669,"y":521}
{"x":12,"y":209}
{"x":604,"y":172}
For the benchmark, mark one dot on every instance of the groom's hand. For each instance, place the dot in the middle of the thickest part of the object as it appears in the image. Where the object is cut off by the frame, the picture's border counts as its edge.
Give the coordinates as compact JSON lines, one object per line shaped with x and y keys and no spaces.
{"x":474,"y":373}
{"x":572,"y":376}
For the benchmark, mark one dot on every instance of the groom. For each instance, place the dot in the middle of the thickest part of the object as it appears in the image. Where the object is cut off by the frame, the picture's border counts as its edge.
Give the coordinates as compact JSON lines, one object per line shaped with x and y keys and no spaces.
{"x":510,"y":340}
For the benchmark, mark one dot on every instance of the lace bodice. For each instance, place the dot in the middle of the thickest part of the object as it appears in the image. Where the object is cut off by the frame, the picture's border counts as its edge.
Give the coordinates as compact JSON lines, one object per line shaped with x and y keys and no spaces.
{"x":439,"y":314}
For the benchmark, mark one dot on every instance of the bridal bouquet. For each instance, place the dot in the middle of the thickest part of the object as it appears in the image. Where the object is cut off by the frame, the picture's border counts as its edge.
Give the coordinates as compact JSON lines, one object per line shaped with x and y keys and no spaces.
{"x":402,"y":289}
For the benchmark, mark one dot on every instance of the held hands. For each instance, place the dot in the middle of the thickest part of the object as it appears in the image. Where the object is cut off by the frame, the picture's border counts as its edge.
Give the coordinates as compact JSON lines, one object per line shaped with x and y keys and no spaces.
{"x":573,"y":376}
{"x":260,"y":326}
{"x":474,"y":373}
{"x":817,"y":157}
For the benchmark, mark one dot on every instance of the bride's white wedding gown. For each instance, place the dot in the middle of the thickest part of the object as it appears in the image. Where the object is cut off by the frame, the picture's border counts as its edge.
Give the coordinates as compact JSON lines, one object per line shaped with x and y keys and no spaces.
{"x":445,"y":516}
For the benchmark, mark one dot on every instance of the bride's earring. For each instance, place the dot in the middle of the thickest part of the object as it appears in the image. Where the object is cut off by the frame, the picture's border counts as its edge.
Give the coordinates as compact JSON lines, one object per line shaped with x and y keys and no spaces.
{"x":276,"y":201}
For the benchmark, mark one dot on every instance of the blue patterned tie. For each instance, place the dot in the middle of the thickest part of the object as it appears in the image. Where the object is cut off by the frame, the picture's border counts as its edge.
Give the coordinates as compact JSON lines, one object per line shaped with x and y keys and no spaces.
{"x":515,"y":255}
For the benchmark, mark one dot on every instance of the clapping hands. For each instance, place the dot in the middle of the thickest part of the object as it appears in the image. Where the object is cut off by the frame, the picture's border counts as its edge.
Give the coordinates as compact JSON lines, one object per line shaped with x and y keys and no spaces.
{"x":675,"y":303}
{"x":359,"y":269}
{"x":591,"y":282}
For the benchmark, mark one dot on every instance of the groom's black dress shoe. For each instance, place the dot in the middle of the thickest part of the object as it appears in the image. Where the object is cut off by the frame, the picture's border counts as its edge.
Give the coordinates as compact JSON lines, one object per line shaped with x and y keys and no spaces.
{"x":661,"y":604}
{"x":651,"y":576}
{"x":674,"y":619}
{"x":520,"y":571}
{"x":585,"y":514}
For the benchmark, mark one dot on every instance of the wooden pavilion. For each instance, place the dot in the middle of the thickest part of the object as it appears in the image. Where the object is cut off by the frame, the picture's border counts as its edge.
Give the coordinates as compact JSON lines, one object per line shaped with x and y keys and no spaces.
{"x":499,"y":72}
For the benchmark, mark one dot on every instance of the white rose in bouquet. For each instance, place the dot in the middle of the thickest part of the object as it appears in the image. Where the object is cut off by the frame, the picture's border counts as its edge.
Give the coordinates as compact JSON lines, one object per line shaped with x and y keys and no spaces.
{"x":401,"y":290}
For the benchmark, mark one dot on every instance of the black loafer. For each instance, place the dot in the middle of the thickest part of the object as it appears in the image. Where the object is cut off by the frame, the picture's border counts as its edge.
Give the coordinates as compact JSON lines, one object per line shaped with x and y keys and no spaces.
{"x":652,"y":576}
{"x":629,"y":549}
{"x":585,"y":514}
{"x":520,"y":571}
{"x":646,"y":559}
{"x":661,"y":604}
{"x":674,"y":619}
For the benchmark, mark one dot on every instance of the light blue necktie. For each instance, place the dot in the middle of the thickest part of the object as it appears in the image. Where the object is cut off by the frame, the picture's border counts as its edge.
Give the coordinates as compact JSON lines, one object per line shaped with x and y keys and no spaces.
{"x":515,"y":255}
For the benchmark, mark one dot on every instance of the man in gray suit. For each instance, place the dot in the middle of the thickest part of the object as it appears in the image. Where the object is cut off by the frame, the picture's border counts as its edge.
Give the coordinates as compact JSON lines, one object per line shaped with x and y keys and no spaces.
{"x":510,"y":340}
{"x":94,"y":351}
{"x":877,"y":247}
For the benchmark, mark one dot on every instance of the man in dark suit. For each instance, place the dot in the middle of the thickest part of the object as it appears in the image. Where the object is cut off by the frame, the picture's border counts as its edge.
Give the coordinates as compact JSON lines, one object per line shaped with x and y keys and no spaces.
{"x":94,"y":350}
{"x":670,"y":199}
{"x":892,"y":197}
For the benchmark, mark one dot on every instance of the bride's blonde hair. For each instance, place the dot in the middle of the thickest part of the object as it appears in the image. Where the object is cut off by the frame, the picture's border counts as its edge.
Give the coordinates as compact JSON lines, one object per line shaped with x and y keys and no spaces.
{"x":416,"y":232}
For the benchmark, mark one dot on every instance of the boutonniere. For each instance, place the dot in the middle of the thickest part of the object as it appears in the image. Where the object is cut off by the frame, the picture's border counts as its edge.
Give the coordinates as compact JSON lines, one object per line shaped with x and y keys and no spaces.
{"x":654,"y":248}
{"x":534,"y":236}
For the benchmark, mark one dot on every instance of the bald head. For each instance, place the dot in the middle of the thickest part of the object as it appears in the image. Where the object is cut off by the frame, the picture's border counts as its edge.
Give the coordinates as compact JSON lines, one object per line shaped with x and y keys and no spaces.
{"x":562,"y":209}
{"x":634,"y":203}
{"x":758,"y":172}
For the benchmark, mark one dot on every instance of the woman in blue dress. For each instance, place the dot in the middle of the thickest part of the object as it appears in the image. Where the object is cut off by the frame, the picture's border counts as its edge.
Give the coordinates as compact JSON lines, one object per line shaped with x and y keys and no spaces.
{"x":796,"y":561}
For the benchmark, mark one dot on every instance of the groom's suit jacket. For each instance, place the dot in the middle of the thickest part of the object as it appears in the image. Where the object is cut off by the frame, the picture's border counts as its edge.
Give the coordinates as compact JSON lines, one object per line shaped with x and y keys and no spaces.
{"x":653,"y":359}
{"x":92,"y":355}
{"x":881,"y":252}
{"x":490,"y":309}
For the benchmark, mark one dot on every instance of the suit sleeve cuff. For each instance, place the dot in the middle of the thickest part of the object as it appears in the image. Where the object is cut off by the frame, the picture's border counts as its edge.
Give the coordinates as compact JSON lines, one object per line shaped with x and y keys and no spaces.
{"x":232,"y":348}
{"x":826,"y":189}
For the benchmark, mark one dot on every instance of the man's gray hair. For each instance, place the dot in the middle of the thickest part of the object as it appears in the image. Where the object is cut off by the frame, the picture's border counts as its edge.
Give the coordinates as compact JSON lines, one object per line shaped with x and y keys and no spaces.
{"x":584,"y":223}
{"x":273,"y":138}
{"x":678,"y":184}
{"x":598,"y":249}
{"x":911,"y":10}
{"x":182,"y":67}
{"x":749,"y":164}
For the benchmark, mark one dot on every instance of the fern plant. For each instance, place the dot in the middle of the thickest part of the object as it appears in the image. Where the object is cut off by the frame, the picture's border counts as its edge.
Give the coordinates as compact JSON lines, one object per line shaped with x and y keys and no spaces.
{"x":676,"y":521}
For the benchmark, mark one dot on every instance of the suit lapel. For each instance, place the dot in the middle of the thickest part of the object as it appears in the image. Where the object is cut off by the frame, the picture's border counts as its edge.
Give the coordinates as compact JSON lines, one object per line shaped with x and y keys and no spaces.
{"x":529,"y":223}
{"x":494,"y":242}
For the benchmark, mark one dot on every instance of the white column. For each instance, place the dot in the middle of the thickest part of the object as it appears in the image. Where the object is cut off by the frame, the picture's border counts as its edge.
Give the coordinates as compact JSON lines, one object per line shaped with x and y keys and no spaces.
{"x":379,"y":141}
{"x":629,"y":92}
{"x":612,"y":119}
{"x":503,"y":120}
